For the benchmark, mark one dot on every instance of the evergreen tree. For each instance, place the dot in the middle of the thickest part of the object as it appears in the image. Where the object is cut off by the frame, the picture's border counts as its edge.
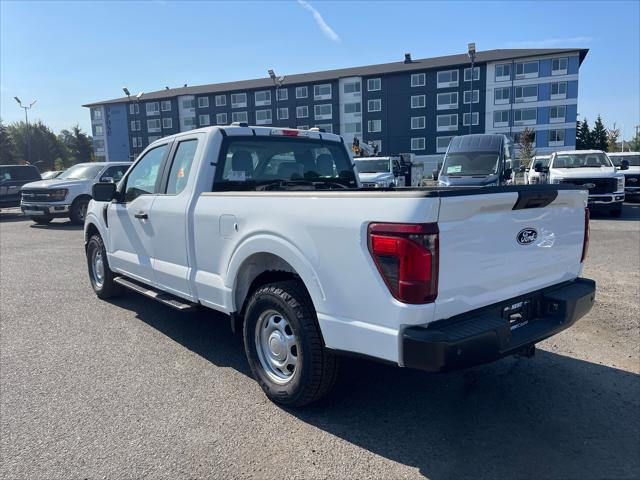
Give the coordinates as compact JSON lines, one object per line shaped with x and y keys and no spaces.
{"x":583,"y":136}
{"x":526,"y":141}
{"x":78,"y":145}
{"x":39,"y":145}
{"x":7,"y":148}
{"x":599,"y":137}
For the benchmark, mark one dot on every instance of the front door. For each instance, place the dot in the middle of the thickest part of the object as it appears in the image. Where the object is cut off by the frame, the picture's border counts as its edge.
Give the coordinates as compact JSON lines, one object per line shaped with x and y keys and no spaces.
{"x":131,"y":230}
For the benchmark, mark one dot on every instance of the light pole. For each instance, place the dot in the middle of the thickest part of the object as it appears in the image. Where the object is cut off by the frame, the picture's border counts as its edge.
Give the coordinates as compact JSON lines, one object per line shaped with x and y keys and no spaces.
{"x":26,"y":118}
{"x":128,"y":94}
{"x":472,"y":56}
{"x":277,"y":83}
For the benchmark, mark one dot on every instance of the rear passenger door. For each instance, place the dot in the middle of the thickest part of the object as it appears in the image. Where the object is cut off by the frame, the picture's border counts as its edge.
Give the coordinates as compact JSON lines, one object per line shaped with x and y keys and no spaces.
{"x":170,"y":217}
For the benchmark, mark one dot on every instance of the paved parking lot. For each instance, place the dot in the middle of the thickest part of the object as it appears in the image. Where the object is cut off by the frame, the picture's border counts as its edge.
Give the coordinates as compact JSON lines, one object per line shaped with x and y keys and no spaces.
{"x":130,"y":388}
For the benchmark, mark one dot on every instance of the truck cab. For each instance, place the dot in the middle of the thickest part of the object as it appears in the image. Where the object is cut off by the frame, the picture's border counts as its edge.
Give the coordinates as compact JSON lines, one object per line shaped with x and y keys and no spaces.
{"x":380,"y":172}
{"x":538,"y":171}
{"x":629,"y":163}
{"x":483,"y":160}
{"x":593,"y":170}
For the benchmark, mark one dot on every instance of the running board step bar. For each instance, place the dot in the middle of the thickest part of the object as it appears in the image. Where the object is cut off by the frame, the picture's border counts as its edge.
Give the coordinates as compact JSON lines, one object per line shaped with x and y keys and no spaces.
{"x":162,"y":297}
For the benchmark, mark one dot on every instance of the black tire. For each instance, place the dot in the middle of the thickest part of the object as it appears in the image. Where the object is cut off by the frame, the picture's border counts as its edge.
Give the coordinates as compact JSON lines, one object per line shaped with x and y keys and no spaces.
{"x":107,"y":288}
{"x":616,"y":211}
{"x":42,"y":220}
{"x":317,"y":368}
{"x":78,"y":210}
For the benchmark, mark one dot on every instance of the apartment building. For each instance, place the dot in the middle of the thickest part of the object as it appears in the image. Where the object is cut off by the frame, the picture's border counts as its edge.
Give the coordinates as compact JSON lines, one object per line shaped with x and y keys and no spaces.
{"x":409,"y":106}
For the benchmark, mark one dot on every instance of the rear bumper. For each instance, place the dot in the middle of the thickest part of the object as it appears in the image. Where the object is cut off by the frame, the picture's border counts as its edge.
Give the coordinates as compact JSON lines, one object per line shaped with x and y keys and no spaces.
{"x":489,"y":333}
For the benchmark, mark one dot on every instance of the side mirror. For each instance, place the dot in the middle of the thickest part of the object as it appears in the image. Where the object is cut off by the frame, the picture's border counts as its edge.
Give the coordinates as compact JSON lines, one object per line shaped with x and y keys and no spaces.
{"x":624,"y":165}
{"x":104,"y":191}
{"x":508,"y":173}
{"x":107,"y":180}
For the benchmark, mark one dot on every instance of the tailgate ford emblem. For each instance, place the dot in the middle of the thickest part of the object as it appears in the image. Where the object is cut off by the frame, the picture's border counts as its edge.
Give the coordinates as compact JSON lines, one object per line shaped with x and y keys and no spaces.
{"x":527,"y":236}
{"x":589,"y":185}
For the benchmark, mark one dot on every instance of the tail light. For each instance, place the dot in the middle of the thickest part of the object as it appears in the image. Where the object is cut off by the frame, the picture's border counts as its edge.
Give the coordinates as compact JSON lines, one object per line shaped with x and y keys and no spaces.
{"x":406,"y":256}
{"x":585,"y":241}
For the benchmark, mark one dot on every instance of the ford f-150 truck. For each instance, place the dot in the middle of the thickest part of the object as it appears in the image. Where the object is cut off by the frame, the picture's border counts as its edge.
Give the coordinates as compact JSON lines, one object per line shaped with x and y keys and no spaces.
{"x":271,"y":226}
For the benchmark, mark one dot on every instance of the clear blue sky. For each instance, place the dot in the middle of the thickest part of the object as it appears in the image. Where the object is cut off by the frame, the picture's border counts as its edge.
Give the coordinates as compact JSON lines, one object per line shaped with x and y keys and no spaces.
{"x":66,"y":54}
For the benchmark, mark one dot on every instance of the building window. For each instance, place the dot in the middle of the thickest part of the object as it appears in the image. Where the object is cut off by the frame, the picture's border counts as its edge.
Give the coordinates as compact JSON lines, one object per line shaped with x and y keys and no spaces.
{"x":303,"y":127}
{"x":98,"y":130}
{"x":327,"y":127}
{"x":501,"y":95}
{"x":136,"y":142}
{"x":283,"y":113}
{"x":418,"y":80}
{"x":188,"y":103}
{"x":153,"y":108}
{"x":374,"y":84}
{"x":447,"y":122}
{"x":302,"y":112}
{"x":417,"y":101}
{"x":221,"y":100}
{"x":467,"y":96}
{"x":167,"y":123}
{"x":353,"y":108}
{"x":442,"y":143}
{"x":239,"y":117}
{"x":135,"y":125}
{"x":263,"y":117}
{"x":203,"y":102}
{"x":154,"y":125}
{"x":166,"y":105}
{"x":302,"y":92}
{"x":525,"y":116}
{"x":353,"y":127}
{"x":134,"y":109}
{"x":204,"y":120}
{"x":475,"y":117}
{"x":322,"y":112}
{"x":418,"y":123}
{"x":556,"y":138}
{"x":190,"y":122}
{"x":559,"y":66}
{"x":448,"y":78}
{"x":263,"y":98}
{"x":153,"y":138}
{"x":238,"y":100}
{"x":503,"y":72}
{"x":374,"y":105}
{"x":322,"y":92}
{"x":526,"y":93}
{"x":501,"y":118}
{"x":526,"y":70}
{"x":417,"y":143}
{"x":447,"y":101}
{"x":558,"y":90}
{"x":96,"y":113}
{"x":283,"y":94}
{"x":467,"y":74}
{"x":557,"y":114}
{"x":221,"y":118}
{"x":352,"y":87}
{"x":374,"y":126}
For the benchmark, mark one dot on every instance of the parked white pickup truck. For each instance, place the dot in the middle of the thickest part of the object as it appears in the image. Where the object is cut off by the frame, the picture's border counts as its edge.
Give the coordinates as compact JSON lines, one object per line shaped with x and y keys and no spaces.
{"x":629,"y":162}
{"x":271,"y":227}
{"x":68,"y":194}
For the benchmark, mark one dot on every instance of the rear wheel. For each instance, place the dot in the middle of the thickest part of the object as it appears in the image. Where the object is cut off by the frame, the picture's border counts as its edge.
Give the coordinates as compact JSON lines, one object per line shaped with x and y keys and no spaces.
{"x":100,"y":274}
{"x":616,"y":211}
{"x":79,"y":211}
{"x":42,"y":220}
{"x":284,"y":346}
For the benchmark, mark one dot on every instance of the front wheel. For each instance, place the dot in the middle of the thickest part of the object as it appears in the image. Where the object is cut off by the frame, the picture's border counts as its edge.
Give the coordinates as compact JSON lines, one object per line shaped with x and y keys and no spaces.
{"x":79,"y":211}
{"x":284,"y":345}
{"x":100,"y":274}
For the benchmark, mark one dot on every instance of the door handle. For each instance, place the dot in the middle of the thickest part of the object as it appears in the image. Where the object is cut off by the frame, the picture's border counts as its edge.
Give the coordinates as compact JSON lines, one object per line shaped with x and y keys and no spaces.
{"x":141,"y":215}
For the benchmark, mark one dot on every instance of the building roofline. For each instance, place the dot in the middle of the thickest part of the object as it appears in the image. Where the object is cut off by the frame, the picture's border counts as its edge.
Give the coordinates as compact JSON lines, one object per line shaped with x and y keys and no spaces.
{"x":369,"y":70}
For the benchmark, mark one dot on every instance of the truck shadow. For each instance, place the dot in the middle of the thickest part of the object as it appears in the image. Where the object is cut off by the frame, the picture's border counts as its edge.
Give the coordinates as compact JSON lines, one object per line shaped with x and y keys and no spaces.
{"x":552,"y":416}
{"x":630,"y":212}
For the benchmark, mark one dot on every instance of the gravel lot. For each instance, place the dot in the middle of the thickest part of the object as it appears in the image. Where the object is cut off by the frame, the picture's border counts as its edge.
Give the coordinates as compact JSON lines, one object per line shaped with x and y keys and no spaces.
{"x":130,"y":388}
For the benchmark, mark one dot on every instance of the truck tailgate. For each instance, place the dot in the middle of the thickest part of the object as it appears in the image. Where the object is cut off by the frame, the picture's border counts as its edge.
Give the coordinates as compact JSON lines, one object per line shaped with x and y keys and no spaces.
{"x":501,"y":244}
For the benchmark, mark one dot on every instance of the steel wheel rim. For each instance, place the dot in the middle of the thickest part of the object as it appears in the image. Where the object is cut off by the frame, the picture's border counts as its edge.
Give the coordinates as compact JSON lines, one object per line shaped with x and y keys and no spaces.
{"x":277,"y":346}
{"x":97,"y":268}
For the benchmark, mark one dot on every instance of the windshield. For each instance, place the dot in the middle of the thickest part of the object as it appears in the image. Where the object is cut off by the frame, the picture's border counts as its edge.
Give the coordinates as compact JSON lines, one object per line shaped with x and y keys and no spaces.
{"x":470,"y":163}
{"x":82,"y":171}
{"x":264,"y":163}
{"x":633,"y":159}
{"x":581,"y":160}
{"x":373,"y":166}
{"x":544,"y":161}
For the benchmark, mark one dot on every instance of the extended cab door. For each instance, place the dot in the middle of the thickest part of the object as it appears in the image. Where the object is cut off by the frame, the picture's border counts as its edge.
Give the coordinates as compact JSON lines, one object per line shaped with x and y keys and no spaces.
{"x":130,"y":230}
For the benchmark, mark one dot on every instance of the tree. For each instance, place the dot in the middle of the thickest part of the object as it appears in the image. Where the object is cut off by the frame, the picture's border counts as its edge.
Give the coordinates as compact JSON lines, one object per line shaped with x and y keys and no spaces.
{"x":612,"y":138}
{"x":599,"y":138}
{"x":526,"y":140}
{"x":7,"y":148}
{"x":634,"y":144}
{"x":43,"y":147}
{"x":78,"y":145}
{"x":583,"y":136}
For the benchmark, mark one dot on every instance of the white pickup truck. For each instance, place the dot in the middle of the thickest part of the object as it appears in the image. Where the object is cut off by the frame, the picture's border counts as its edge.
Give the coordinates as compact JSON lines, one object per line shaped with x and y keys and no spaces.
{"x":271,"y":227}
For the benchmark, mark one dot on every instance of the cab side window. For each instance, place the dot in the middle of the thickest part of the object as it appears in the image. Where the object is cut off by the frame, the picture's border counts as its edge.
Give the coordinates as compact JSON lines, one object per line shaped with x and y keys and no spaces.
{"x":115,"y":173}
{"x":144,"y":175}
{"x":181,"y":166}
